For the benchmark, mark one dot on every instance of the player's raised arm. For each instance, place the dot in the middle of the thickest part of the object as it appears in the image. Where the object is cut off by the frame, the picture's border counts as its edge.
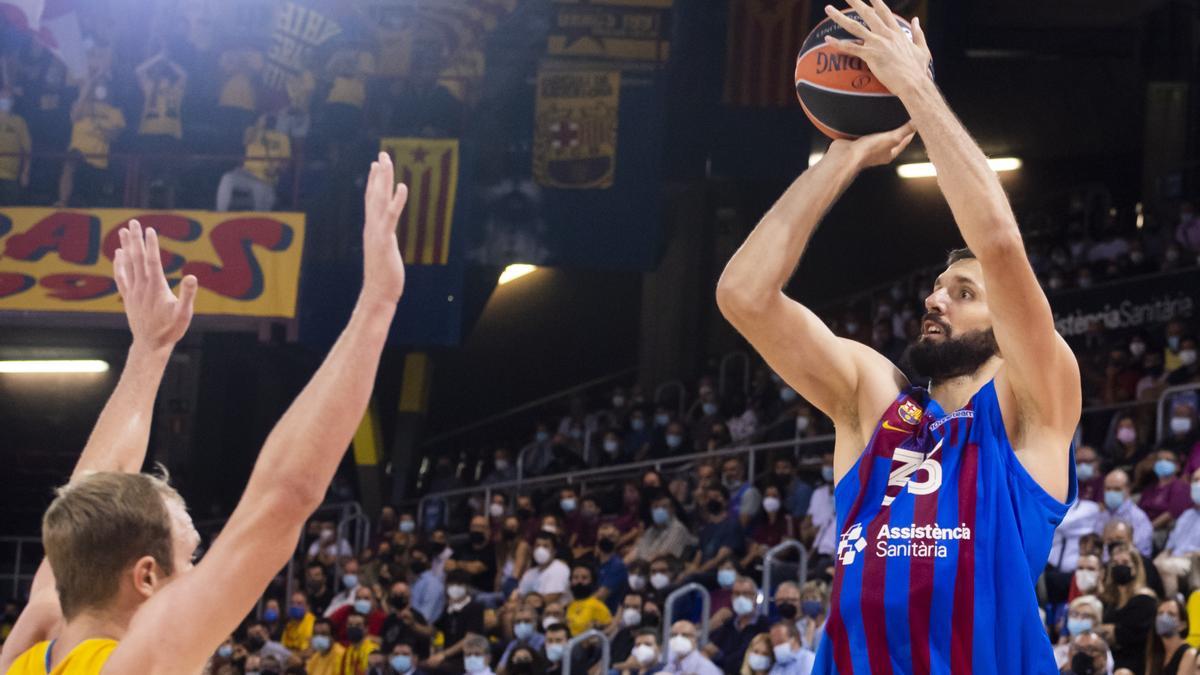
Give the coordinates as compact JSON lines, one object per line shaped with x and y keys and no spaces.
{"x":1039,"y":367}
{"x":291,"y":475}
{"x":831,"y":372}
{"x":157,"y":320}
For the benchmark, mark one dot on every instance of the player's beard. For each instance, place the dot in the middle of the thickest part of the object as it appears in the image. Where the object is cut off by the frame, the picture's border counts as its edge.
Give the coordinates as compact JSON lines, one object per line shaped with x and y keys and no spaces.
{"x":951,"y":357}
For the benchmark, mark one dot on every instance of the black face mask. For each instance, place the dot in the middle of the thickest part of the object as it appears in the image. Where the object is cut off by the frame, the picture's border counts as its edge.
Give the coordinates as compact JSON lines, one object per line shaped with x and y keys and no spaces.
{"x":1082,"y":664}
{"x":524,"y":514}
{"x":606,"y":545}
{"x":418,"y":567}
{"x":788,"y":611}
{"x":314,"y":587}
{"x":650,"y":620}
{"x":355,"y":634}
{"x":509,"y":535}
{"x":581,"y":591}
{"x":715,"y":507}
{"x":1122,"y":574}
{"x":478,"y":538}
{"x":399,"y":601}
{"x":268,"y":672}
{"x":521,"y":668}
{"x":255,"y":643}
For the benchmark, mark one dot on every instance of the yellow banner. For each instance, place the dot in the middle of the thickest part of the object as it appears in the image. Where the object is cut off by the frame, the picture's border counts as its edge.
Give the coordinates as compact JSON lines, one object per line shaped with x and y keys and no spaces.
{"x":618,"y":30}
{"x":575,"y":138}
{"x":429,"y":167}
{"x":248,"y":264}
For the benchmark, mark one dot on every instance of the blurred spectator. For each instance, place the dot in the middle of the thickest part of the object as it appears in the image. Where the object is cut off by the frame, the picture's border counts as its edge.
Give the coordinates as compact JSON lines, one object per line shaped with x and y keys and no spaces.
{"x":683,"y":656}
{"x":585,"y":611}
{"x":350,"y":583}
{"x":273,"y":619}
{"x":1180,"y":558}
{"x":1126,"y":449}
{"x":328,"y":543}
{"x":1174,"y":342}
{"x":644,"y":658}
{"x":625,"y":627}
{"x":15,"y":151}
{"x":721,"y":538}
{"x":1088,"y":654}
{"x":1189,"y":367}
{"x":790,"y":657}
{"x":796,"y":493}
{"x":404,"y":624}
{"x":612,"y":575}
{"x":728,"y":644}
{"x":581,"y":522}
{"x":1086,"y":580}
{"x":555,"y":646}
{"x":365,"y":605}
{"x":548,"y":577}
{"x":478,"y":559}
{"x":1187,"y":232}
{"x":1119,"y":506}
{"x":665,"y":534}
{"x":1083,"y":616}
{"x":428,"y":592}
{"x":477,"y":656}
{"x":251,"y":186}
{"x":814,"y":608}
{"x":403,"y":660}
{"x":463,"y":618}
{"x":327,"y":654}
{"x":1087,"y":470}
{"x":320,"y":591}
{"x":772,"y":529}
{"x":341,"y":114}
{"x":298,"y":630}
{"x":1169,"y":497}
{"x":1169,"y":653}
{"x":760,"y":657}
{"x":525,"y":660}
{"x":525,"y":631}
{"x":503,"y":469}
{"x":1079,"y":521}
{"x":513,"y":555}
{"x":237,"y":102}
{"x":359,"y":647}
{"x":163,"y":83}
{"x":259,"y":643}
{"x":744,"y":499}
{"x":95,"y":125}
{"x":1129,"y":607}
{"x":1118,"y":534}
{"x":819,"y":527}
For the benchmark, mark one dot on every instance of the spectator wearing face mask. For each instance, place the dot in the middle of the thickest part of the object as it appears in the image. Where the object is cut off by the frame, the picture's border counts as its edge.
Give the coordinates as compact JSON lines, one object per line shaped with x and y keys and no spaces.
{"x":625,"y":627}
{"x":95,"y":125}
{"x":795,"y":493}
{"x":774,"y":527}
{"x":585,"y":611}
{"x":503,"y":468}
{"x":477,"y":656}
{"x":1064,"y":551}
{"x":1083,"y":616}
{"x":720,"y":540}
{"x":728,"y":643}
{"x":1189,"y":366}
{"x":359,"y":647}
{"x":350,"y":583}
{"x":582,"y":525}
{"x":327,"y":653}
{"x":16,"y":149}
{"x":428,"y":591}
{"x":273,"y":618}
{"x":1088,"y":654}
{"x":760,"y":656}
{"x":404,"y":625}
{"x":259,"y":643}
{"x":664,"y":572}
{"x":316,"y":585}
{"x":1119,"y":506}
{"x":644,"y":658}
{"x":612,"y":577}
{"x":1129,"y":607}
{"x":525,"y":661}
{"x":365,"y":605}
{"x":1181,"y":433}
{"x":555,"y":647}
{"x":1170,"y":496}
{"x":1121,"y":375}
{"x":478,"y":559}
{"x":299,"y":627}
{"x":1125,"y":448}
{"x":683,"y":652}
{"x":665,"y":534}
{"x":525,"y":631}
{"x":745,"y":500}
{"x":721,"y":597}
{"x":790,"y":657}
{"x":674,"y":441}
{"x":403,"y":661}
{"x":819,"y":529}
{"x":787,"y":601}
{"x":512,"y":554}
{"x":1168,"y":652}
{"x":463,"y":618}
{"x":1180,"y":558}
{"x":814,"y":609}
{"x":638,"y":438}
{"x":613,"y":447}
{"x":1087,"y":470}
{"x":1087,"y":577}
{"x":329,"y":544}
{"x":548,"y":576}
{"x":1117,"y":535}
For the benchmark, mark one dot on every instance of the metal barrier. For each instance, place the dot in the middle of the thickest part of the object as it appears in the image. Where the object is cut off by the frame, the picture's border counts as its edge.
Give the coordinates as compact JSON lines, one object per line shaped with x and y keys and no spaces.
{"x":769,"y":559}
{"x":346,"y":514}
{"x":675,"y":385}
{"x":591,"y":634}
{"x":725,"y":360}
{"x":668,"y":612}
{"x":16,"y":577}
{"x":1161,"y":418}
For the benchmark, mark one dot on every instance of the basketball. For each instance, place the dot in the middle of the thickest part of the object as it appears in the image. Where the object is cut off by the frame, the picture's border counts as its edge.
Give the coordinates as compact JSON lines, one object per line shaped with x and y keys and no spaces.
{"x":838,"y":91}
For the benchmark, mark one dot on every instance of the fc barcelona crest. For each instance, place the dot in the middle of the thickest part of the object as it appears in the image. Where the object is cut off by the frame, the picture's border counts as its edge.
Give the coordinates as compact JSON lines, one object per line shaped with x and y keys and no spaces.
{"x":910,"y":412}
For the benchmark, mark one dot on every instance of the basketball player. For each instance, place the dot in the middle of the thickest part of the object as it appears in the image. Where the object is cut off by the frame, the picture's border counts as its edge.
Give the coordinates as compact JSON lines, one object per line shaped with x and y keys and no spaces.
{"x":946,"y":496}
{"x":120,"y":594}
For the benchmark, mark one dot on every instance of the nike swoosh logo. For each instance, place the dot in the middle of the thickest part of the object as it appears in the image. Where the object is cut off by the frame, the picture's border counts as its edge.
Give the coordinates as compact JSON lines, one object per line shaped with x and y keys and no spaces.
{"x":889,"y":427}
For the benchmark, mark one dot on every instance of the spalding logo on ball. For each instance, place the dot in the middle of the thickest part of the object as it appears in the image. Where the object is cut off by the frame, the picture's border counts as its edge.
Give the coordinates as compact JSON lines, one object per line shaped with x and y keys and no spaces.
{"x":839,"y":92}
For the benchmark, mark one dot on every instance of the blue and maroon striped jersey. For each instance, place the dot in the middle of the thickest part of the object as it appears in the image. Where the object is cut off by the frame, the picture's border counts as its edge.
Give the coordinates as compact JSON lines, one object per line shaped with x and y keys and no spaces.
{"x":943,"y":536}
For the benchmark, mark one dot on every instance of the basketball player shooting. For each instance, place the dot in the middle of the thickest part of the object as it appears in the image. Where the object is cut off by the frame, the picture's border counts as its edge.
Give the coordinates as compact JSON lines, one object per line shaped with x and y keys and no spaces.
{"x":118,"y":592}
{"x":946,"y":497}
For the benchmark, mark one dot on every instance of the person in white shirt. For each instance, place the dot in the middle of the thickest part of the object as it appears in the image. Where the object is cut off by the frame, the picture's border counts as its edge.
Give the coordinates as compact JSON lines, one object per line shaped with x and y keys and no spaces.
{"x":328,"y":545}
{"x":683,"y":655}
{"x":1180,"y":558}
{"x":349,"y":584}
{"x":820,"y":525}
{"x":1080,"y":520}
{"x":790,"y":657}
{"x":548,"y":576}
{"x":1119,"y":506}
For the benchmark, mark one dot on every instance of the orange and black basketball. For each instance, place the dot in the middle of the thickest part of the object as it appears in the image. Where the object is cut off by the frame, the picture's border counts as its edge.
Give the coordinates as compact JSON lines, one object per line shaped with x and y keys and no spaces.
{"x":839,"y":93}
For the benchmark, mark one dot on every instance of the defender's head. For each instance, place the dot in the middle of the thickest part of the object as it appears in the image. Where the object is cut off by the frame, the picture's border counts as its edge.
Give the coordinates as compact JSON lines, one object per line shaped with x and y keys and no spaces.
{"x":956,"y":337}
{"x":115,"y":539}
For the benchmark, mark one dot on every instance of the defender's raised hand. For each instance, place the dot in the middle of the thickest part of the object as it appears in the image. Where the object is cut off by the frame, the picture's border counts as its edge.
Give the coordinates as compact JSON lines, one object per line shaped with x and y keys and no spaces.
{"x":383,"y":269}
{"x":157,"y":318}
{"x":899,"y":60}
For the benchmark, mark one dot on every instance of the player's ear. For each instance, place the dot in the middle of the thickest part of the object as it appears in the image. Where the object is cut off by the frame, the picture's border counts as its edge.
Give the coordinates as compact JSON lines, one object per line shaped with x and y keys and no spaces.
{"x":145,"y":575}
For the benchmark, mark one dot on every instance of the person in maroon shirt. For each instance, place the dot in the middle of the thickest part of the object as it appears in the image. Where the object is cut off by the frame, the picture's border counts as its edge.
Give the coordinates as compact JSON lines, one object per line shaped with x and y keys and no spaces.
{"x":1169,"y":497}
{"x":364,"y":604}
{"x":1091,"y":477}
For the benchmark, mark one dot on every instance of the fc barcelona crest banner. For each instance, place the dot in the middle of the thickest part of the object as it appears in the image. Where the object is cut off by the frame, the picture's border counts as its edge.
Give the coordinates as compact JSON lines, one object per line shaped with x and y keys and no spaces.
{"x":575,"y":129}
{"x":429,"y":167}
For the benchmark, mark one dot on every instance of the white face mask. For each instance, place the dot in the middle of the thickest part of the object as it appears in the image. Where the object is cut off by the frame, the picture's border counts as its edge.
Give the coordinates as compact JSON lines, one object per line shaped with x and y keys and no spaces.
{"x":1187,"y":357}
{"x":501,"y":464}
{"x":100,"y":92}
{"x":659,"y":581}
{"x":759,"y":662}
{"x":496,"y":510}
{"x":456,"y":592}
{"x":770,"y":504}
{"x":1181,"y":425}
{"x":1085,"y":579}
{"x":631,"y":617}
{"x":645,"y":654}
{"x":681,"y":646}
{"x":637,"y":582}
{"x":542,"y":555}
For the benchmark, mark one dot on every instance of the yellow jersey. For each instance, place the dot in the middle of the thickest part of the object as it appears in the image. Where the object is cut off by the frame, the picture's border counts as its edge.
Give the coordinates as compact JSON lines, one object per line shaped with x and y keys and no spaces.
{"x":91,"y":135}
{"x":267,"y":154}
{"x":326,"y":663}
{"x":14,"y":141}
{"x":583,"y":614}
{"x":87,"y":658}
{"x":296,"y":634}
{"x":160,"y":116}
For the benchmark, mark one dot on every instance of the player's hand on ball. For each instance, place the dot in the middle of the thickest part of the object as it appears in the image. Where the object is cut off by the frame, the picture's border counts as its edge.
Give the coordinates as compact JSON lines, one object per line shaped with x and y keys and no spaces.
{"x":156,"y":317}
{"x":383,"y":269}
{"x":876,"y":149}
{"x":900,"y":62}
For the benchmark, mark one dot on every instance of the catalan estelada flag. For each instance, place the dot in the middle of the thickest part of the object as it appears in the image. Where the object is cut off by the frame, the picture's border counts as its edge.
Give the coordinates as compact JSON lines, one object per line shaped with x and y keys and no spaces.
{"x":429,"y":167}
{"x":761,"y":49}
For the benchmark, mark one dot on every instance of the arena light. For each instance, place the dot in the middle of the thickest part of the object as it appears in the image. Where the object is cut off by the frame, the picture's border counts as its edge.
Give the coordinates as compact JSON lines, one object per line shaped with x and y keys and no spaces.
{"x":54,"y":366}
{"x":926,"y":170}
{"x":515,"y":271}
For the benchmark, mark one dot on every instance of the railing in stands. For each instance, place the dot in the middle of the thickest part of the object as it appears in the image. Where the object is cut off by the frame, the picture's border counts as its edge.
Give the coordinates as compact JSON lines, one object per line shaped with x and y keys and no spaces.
{"x":591,"y":634}
{"x":668,"y":611}
{"x":19,"y":580}
{"x":1161,"y":413}
{"x":769,"y":560}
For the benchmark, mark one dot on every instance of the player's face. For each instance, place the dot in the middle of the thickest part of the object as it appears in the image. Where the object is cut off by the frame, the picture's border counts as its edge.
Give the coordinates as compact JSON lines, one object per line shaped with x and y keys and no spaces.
{"x":958,"y":303}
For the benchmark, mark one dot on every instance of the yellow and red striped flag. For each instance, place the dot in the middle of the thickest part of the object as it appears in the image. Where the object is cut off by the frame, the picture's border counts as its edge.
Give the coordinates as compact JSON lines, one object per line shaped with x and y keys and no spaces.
{"x":760,"y":52}
{"x":429,"y":167}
